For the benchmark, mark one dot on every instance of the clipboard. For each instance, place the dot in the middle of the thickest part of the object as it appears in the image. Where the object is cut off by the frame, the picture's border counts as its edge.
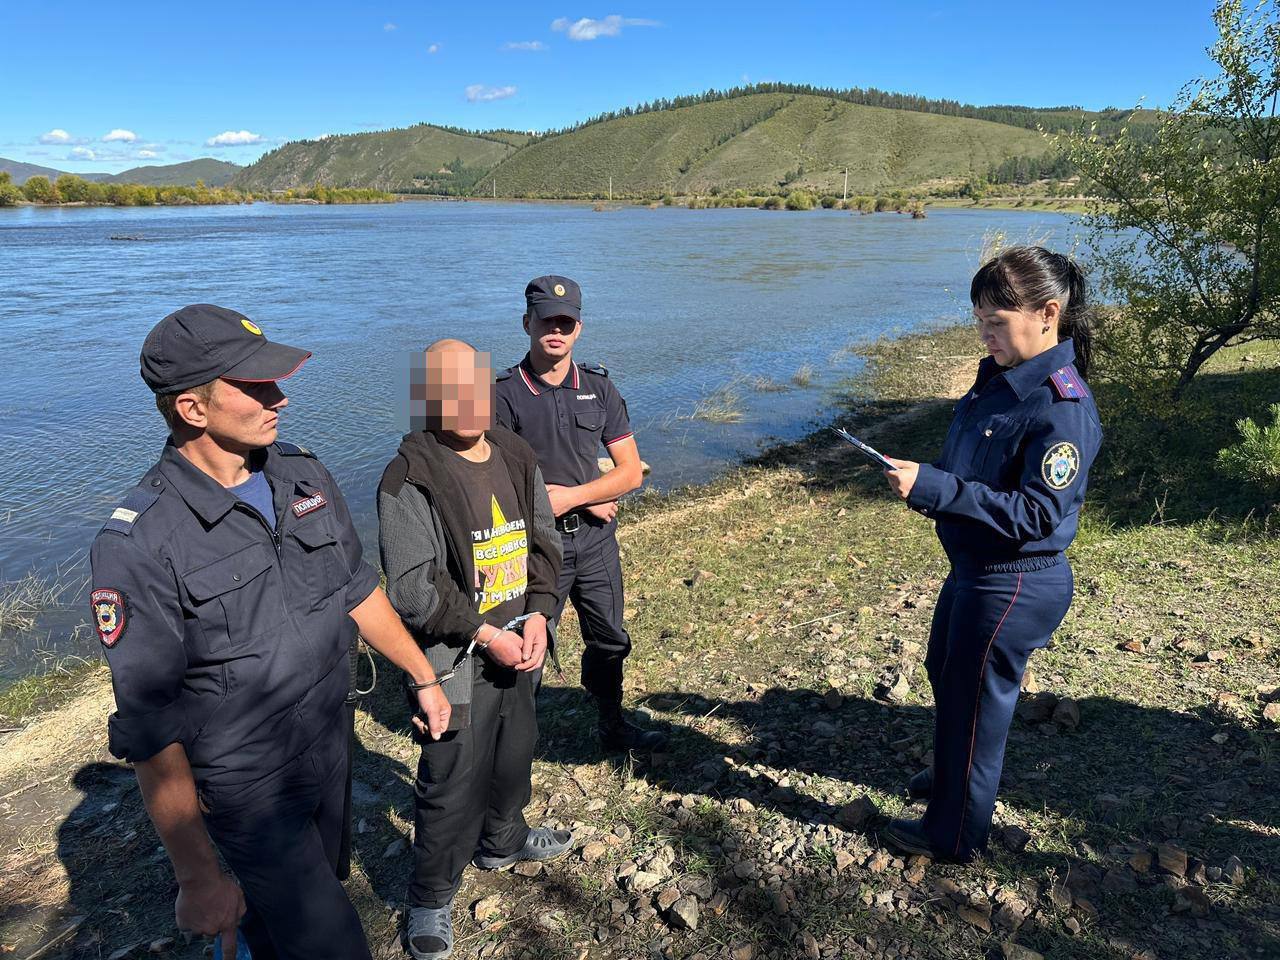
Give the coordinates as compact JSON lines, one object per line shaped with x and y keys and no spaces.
{"x":871,"y":453}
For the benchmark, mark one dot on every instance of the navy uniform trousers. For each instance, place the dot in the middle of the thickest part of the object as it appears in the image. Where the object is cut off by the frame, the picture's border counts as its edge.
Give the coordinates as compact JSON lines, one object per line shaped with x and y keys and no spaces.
{"x":985,"y":626}
{"x":282,"y":837}
{"x":591,"y":576}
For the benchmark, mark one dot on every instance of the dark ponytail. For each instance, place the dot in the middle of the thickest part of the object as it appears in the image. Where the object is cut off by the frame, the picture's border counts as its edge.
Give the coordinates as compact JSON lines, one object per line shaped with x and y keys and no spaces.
{"x":1026,"y":278}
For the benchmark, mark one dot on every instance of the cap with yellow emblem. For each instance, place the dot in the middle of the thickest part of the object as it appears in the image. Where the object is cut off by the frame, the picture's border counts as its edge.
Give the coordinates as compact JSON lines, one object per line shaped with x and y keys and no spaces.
{"x":203,"y":342}
{"x":553,"y":296}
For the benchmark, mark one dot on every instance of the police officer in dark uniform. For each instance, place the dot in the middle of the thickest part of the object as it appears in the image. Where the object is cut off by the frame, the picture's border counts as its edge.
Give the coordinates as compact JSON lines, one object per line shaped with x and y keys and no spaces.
{"x":565,"y":411}
{"x":1006,"y":495}
{"x":227,"y":589}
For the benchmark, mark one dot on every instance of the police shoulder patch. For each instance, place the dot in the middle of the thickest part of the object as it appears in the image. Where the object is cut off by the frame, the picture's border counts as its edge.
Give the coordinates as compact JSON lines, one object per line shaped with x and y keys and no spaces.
{"x":1067,"y":384}
{"x":131,"y":508}
{"x":1061,"y":464}
{"x":110,"y":615}
{"x":594,"y":368}
{"x":293,"y":450}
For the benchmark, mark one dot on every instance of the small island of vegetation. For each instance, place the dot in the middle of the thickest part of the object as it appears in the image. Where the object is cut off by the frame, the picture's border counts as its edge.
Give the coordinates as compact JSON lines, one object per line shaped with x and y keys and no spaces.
{"x":69,"y":189}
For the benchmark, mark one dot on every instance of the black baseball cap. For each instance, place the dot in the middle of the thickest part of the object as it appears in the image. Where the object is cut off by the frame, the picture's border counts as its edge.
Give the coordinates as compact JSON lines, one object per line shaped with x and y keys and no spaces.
{"x":202,"y":342}
{"x":553,"y":296}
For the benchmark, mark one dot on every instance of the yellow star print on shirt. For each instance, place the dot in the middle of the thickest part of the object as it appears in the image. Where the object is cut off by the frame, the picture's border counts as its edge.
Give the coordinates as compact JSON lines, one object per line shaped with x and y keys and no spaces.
{"x":501,"y":556}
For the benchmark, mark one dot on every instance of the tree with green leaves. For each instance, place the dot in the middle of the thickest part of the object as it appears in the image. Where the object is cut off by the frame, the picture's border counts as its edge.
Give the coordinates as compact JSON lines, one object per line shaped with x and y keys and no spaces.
{"x":10,"y":194}
{"x":40,"y":190}
{"x":72,"y":189}
{"x":1197,"y":210}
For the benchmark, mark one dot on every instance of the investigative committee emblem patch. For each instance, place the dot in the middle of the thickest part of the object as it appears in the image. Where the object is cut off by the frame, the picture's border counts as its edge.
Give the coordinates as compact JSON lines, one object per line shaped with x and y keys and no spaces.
{"x":108,"y":615}
{"x":558,"y":289}
{"x":1060,"y":465}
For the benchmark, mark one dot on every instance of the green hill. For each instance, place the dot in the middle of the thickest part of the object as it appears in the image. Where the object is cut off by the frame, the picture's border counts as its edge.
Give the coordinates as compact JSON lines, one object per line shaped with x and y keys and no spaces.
{"x":761,"y":143}
{"x":22,"y":172}
{"x":214,"y":173}
{"x":423,"y":157}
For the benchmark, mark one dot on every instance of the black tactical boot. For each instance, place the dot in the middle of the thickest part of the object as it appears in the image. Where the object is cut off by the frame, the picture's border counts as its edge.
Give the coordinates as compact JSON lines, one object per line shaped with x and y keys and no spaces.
{"x":617,"y":733}
{"x":920,"y":787}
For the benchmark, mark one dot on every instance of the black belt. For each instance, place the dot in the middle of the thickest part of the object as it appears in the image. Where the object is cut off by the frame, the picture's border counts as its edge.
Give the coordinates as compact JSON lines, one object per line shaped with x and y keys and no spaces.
{"x":570,"y":523}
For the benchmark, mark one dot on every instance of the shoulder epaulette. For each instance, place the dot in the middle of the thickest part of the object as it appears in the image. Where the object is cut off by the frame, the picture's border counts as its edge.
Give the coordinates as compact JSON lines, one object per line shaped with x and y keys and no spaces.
{"x":1067,"y":383}
{"x":293,"y":450}
{"x":504,"y":374}
{"x":594,"y":368}
{"x":131,"y":508}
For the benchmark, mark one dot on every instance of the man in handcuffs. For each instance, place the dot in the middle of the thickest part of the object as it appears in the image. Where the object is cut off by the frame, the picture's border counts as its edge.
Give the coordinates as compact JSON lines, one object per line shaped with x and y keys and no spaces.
{"x":471,"y":555}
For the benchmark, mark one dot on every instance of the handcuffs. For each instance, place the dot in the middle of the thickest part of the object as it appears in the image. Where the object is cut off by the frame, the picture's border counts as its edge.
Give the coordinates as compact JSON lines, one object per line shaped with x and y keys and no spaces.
{"x":463,"y":657}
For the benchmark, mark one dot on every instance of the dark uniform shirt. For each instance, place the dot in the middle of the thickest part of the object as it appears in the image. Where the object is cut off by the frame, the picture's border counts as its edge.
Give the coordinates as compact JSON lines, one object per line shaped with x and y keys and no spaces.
{"x":564,"y":424}
{"x":1013,"y":471}
{"x":222,"y":634}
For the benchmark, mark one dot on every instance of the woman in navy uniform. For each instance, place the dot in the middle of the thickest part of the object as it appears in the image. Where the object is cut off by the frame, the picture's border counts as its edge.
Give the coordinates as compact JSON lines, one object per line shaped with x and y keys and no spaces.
{"x":1006,"y":495}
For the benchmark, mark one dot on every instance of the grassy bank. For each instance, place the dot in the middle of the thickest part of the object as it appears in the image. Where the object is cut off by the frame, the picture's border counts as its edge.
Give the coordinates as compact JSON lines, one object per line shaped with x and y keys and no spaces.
{"x":780,"y":616}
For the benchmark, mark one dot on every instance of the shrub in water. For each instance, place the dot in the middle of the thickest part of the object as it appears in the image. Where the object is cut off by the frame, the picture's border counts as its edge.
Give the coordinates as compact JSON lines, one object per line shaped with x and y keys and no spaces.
{"x":1256,"y":458}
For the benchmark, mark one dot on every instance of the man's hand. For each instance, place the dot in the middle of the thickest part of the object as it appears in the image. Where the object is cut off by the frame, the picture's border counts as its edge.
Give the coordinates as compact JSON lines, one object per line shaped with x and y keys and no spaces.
{"x":534,"y":648}
{"x":506,"y":649}
{"x":604,"y":511}
{"x":563,"y":499}
{"x":211,"y":908}
{"x":903,"y":476}
{"x":433,"y":713}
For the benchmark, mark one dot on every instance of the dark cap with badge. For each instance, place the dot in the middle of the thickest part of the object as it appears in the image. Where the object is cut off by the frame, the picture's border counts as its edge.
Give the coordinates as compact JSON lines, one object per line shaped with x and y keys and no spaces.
{"x":553,"y":296}
{"x":202,"y":342}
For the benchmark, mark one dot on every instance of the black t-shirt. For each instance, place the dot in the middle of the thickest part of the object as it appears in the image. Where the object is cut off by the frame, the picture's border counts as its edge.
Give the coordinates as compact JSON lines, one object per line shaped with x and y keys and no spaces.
{"x":499,"y":536}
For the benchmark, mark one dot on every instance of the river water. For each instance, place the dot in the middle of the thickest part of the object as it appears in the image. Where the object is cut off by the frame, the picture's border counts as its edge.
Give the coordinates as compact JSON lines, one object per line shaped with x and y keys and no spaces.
{"x":678,"y":304}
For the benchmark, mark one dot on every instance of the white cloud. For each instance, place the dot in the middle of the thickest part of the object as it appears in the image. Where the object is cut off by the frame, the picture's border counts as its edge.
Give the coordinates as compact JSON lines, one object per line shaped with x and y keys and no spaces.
{"x":80,"y":153}
{"x":147,"y":154}
{"x":233,"y":138}
{"x":588,"y":29}
{"x":120,"y":136}
{"x":55,"y":135}
{"x":434,"y":48}
{"x":524,"y":45}
{"x":479,"y":93}
{"x":390,"y":27}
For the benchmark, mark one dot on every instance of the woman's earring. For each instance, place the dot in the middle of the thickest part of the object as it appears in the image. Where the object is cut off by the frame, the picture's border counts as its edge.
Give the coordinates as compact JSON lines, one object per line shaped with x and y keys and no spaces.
{"x":1044,"y":329}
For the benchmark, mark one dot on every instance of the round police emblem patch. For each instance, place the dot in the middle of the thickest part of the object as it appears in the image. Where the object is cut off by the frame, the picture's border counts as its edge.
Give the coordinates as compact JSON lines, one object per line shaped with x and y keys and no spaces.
{"x":1060,"y":465}
{"x":558,"y":289}
{"x":108,"y":615}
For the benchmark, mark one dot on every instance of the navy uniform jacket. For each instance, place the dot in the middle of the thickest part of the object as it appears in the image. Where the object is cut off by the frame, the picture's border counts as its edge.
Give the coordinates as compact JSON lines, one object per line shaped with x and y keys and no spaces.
{"x":1008,"y":488}
{"x":564,"y":424}
{"x":219,"y":634}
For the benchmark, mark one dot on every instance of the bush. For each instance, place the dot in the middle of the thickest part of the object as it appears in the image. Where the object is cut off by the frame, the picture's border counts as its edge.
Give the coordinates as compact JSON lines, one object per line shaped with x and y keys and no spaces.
{"x":9,"y":194}
{"x":1256,"y":458}
{"x":799,"y":200}
{"x":72,"y":189}
{"x":40,"y":190}
{"x":774,"y":203}
{"x":667,"y":199}
{"x":828,"y":202}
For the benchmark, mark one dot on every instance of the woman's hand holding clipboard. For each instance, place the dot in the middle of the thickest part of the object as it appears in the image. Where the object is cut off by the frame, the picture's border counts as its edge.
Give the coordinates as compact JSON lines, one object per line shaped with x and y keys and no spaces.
{"x":901,"y":474}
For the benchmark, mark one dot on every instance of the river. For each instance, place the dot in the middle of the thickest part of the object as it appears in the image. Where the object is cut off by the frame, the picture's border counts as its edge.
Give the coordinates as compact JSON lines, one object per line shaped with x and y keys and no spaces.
{"x":680,"y":305}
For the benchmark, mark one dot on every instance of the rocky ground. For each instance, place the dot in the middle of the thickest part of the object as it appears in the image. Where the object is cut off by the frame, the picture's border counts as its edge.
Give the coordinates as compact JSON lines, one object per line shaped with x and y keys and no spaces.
{"x":780,"y":616}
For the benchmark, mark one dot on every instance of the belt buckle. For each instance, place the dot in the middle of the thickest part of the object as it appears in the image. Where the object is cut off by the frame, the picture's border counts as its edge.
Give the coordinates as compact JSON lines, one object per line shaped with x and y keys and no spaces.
{"x":571,"y":523}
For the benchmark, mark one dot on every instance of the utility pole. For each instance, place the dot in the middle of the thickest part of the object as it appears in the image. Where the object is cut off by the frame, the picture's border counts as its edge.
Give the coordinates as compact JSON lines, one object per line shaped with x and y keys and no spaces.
{"x":611,"y":189}
{"x":846,"y":183}
{"x":495,"y":188}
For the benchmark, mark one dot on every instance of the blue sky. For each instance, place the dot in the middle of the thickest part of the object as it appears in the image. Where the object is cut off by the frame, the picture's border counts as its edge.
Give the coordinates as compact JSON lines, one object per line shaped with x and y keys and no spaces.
{"x":103,"y":87}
